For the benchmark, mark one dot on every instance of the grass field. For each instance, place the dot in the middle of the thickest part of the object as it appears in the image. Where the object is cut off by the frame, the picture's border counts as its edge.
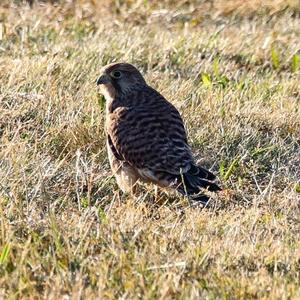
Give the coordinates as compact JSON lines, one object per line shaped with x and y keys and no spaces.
{"x":232,"y":69}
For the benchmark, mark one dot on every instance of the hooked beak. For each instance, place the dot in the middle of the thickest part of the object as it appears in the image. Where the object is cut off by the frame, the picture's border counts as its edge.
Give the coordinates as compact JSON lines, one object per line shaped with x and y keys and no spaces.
{"x":103,"y":79}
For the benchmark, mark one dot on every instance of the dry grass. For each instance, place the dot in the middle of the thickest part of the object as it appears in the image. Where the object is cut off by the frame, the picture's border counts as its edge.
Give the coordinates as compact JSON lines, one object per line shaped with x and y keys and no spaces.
{"x":232,"y":68}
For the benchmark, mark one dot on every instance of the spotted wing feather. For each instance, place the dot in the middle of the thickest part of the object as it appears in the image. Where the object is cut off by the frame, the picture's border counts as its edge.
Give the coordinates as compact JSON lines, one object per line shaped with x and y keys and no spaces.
{"x":151,"y":137}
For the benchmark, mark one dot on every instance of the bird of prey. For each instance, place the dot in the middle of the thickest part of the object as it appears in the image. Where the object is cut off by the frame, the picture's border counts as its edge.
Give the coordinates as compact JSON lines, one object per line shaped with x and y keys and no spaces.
{"x":146,"y":138}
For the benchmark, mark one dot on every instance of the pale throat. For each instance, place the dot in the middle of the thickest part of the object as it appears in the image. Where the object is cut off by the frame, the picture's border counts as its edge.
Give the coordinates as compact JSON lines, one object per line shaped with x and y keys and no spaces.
{"x":109,"y":92}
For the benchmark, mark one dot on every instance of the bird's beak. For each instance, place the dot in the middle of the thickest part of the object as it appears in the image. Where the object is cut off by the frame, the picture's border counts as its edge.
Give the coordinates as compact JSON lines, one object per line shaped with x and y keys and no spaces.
{"x":103,"y":79}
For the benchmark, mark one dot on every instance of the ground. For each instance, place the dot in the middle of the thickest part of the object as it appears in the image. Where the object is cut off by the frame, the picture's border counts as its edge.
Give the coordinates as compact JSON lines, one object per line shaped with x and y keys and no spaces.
{"x":232,"y":69}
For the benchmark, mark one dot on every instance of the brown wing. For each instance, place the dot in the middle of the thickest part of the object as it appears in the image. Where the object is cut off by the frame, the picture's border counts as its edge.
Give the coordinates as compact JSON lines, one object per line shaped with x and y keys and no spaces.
{"x":150,"y":136}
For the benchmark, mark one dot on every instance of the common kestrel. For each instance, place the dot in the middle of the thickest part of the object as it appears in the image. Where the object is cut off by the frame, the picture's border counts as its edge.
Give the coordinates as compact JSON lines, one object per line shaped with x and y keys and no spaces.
{"x":146,"y":139}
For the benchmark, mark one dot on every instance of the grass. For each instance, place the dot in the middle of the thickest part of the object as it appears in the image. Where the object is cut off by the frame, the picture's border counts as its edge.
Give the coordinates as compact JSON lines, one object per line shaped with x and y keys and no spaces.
{"x":232,"y":69}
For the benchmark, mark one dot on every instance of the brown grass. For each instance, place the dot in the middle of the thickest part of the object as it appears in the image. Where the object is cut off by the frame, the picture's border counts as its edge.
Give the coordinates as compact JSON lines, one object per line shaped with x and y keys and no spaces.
{"x":232,"y":69}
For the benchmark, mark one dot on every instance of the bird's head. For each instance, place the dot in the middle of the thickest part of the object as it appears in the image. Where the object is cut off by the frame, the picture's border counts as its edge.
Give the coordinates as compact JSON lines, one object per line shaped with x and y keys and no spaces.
{"x":116,"y":78}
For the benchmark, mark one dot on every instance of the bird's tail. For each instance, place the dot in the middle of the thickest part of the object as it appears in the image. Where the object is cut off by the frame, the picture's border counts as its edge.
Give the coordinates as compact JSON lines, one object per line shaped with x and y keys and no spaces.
{"x":194,"y":181}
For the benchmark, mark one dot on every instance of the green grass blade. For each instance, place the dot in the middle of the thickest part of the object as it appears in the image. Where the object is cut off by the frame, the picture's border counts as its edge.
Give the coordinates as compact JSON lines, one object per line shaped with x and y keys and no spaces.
{"x":4,"y":253}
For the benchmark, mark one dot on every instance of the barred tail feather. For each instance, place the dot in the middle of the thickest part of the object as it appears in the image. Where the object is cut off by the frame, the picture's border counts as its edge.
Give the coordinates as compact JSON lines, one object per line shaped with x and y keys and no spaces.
{"x":195,"y":180}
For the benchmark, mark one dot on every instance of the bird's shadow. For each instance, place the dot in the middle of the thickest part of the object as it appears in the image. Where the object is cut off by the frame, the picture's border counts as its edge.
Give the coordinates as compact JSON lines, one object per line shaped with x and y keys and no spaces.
{"x":154,"y":200}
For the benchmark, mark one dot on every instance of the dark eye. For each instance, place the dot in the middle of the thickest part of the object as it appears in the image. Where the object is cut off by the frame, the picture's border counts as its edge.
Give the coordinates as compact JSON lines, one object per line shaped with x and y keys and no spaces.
{"x":116,"y":74}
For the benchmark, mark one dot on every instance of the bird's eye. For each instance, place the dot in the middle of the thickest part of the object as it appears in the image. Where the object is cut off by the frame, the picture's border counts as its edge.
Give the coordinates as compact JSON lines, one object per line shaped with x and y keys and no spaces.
{"x":116,"y":74}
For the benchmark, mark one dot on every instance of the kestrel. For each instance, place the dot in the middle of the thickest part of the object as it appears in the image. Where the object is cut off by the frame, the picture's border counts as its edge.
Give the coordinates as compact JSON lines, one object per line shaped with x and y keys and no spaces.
{"x":146,"y":138}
